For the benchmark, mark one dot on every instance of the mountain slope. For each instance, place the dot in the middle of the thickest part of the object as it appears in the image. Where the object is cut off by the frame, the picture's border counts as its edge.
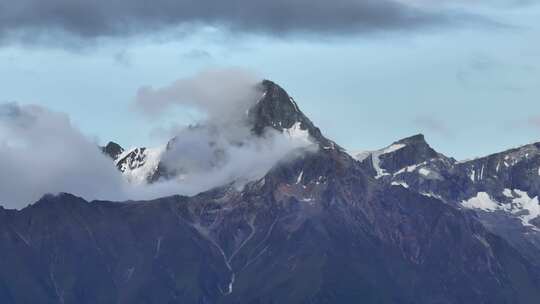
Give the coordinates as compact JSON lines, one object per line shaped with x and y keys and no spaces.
{"x":315,"y":230}
{"x":319,"y":227}
{"x":501,"y":189}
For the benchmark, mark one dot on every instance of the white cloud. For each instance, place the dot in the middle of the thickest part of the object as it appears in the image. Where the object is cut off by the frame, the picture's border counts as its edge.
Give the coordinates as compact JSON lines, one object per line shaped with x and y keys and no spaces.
{"x":42,"y":152}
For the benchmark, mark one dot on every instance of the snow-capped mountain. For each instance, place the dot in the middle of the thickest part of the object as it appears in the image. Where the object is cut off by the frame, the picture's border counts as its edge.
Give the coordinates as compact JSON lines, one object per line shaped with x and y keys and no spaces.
{"x":502,"y":189}
{"x":393,"y":226}
{"x":276,"y":110}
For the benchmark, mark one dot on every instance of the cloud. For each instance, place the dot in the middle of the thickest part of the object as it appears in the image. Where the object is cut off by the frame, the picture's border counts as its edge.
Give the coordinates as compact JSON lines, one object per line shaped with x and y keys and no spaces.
{"x":42,"y":152}
{"x":204,"y":159}
{"x":32,"y":20}
{"x":432,"y":124}
{"x":224,"y":95}
{"x":485,"y":72}
{"x":220,"y":148}
{"x":165,"y":133}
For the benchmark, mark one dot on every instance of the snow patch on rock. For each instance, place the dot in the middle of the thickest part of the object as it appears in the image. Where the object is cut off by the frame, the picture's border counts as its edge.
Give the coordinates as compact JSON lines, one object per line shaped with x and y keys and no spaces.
{"x":481,"y":201}
{"x":402,"y":184}
{"x":297,"y":133}
{"x":522,"y":205}
{"x":141,"y":165}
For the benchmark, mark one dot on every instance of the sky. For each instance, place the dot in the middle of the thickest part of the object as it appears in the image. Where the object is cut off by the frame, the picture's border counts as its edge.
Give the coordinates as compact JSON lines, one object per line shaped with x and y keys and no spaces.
{"x":464,"y":73}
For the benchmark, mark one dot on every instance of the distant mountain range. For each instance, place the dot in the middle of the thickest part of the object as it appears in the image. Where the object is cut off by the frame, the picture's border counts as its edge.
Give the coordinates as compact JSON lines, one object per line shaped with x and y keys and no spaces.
{"x":501,"y":189}
{"x":404,"y":224}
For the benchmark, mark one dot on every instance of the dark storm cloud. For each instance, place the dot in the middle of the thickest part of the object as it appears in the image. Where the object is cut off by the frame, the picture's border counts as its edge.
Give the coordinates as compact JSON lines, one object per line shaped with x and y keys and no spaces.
{"x":31,"y":19}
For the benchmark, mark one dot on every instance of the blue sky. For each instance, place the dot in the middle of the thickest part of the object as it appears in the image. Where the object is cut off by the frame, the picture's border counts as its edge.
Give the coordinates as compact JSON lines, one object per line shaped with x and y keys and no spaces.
{"x":471,"y":88}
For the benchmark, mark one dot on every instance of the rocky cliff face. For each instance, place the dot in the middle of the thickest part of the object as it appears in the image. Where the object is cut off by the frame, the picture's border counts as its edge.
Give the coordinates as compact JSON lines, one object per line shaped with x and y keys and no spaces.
{"x":321,"y":227}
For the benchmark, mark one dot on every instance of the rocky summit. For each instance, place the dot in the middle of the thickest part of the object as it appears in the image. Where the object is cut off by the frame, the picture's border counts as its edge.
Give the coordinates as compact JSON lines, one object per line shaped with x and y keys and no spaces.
{"x":404,"y":224}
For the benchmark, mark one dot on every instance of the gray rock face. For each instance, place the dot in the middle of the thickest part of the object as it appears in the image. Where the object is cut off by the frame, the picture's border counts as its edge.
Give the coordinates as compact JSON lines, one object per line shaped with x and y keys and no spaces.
{"x":113,"y":150}
{"x":319,"y":228}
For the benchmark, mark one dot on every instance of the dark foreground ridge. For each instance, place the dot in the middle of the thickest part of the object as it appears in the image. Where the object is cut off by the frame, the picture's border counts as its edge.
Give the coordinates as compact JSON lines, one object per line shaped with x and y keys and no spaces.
{"x":323,"y":228}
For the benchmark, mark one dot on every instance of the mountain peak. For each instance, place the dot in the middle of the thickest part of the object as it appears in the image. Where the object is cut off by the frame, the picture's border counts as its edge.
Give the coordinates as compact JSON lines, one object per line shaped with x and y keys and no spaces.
{"x":418,"y":145}
{"x":406,"y":152}
{"x":112,"y":149}
{"x":279,"y":111}
{"x":276,"y":109}
{"x":415,"y":139}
